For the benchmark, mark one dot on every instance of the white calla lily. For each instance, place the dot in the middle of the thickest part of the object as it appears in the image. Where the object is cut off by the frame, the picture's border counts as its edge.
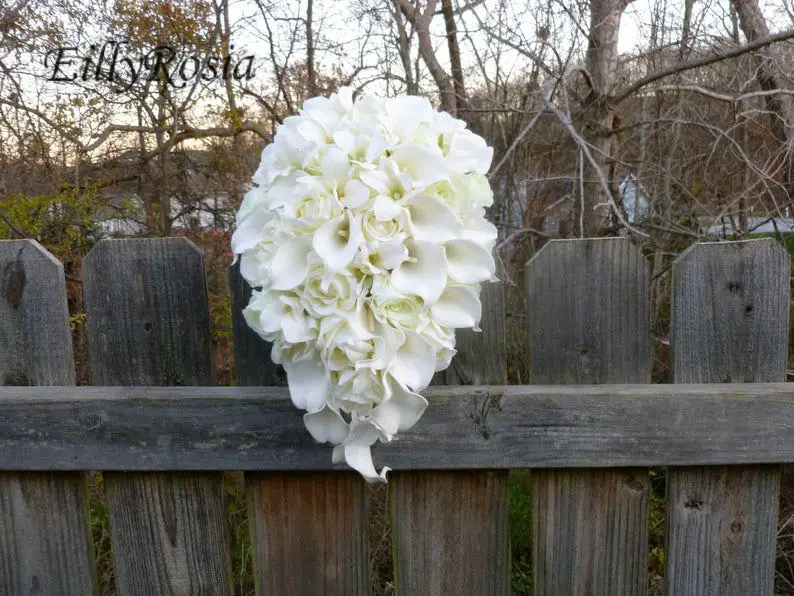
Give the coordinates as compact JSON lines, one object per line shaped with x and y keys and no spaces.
{"x":290,"y":264}
{"x":423,"y":273}
{"x":414,"y":363}
{"x":309,"y":382}
{"x":326,"y":425}
{"x":338,"y":240}
{"x":400,"y":412}
{"x":356,"y":451}
{"x":458,"y":308}
{"x":468,"y":262}
{"x":432,"y":220}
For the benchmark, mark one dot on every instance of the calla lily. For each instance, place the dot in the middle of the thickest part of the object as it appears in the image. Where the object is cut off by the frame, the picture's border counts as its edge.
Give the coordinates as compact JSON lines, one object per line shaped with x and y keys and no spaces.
{"x":290,"y":264}
{"x":479,"y":230}
{"x":423,"y":273}
{"x":390,"y":253}
{"x":338,"y":240}
{"x":458,"y":307}
{"x":432,"y":220}
{"x":309,"y":382}
{"x":326,"y":425}
{"x":424,"y":165}
{"x":414,"y":363}
{"x":356,"y":451}
{"x":335,"y":167}
{"x":468,"y":262}
{"x":400,"y":412}
{"x":356,"y":194}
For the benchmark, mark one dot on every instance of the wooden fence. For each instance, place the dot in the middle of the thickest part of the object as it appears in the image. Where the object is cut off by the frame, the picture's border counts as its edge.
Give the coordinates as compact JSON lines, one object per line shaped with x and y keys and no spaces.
{"x":590,"y":427}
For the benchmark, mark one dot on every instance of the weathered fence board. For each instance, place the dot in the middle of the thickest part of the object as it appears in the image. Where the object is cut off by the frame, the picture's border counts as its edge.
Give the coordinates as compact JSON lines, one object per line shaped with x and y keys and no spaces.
{"x":588,"y":316}
{"x":45,"y":543}
{"x":310,"y":533}
{"x":450,"y":532}
{"x":729,"y":323}
{"x":148,"y":324}
{"x":309,"y":530}
{"x":450,"y":528}
{"x":251,"y":353}
{"x":256,"y":428}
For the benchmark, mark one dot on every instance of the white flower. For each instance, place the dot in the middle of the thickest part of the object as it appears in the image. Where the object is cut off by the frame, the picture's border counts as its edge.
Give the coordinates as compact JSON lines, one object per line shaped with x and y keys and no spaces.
{"x":365,"y":241}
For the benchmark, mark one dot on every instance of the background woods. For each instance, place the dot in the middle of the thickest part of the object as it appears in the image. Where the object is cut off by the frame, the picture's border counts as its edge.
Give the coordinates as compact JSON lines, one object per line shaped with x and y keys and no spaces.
{"x":669,"y":121}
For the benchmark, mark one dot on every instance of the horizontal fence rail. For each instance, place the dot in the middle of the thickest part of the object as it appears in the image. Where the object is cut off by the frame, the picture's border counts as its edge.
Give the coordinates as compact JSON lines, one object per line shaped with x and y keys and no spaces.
{"x":496,"y":427}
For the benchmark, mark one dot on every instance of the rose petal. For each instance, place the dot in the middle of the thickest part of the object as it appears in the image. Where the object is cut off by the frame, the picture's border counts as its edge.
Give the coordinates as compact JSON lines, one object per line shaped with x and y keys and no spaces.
{"x":469,"y":152}
{"x":386,"y":208}
{"x":250,"y":231}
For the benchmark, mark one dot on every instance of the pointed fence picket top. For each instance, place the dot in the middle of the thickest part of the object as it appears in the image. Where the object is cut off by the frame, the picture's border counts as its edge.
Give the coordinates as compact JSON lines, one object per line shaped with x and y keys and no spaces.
{"x":309,"y":530}
{"x":148,"y":324}
{"x":450,"y":528}
{"x":729,"y":324}
{"x":45,"y":540}
{"x":588,"y":317}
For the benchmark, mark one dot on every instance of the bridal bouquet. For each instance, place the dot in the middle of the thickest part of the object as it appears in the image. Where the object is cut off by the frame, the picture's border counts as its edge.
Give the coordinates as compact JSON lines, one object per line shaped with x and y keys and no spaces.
{"x":365,"y":241}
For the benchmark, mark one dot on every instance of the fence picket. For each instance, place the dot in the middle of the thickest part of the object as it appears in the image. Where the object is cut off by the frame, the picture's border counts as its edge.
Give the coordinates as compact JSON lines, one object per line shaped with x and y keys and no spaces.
{"x":309,"y":530}
{"x":450,"y":528}
{"x":251,"y":352}
{"x":729,"y":323}
{"x":587,"y":308}
{"x":148,"y":324}
{"x":45,"y":540}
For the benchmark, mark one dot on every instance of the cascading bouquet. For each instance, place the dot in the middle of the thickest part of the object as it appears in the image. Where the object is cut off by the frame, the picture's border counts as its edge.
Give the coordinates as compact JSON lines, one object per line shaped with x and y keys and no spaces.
{"x":365,"y":241}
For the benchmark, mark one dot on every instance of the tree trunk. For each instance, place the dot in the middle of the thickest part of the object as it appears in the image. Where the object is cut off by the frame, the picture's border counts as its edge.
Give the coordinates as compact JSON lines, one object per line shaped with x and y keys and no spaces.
{"x":754,"y":26}
{"x":454,"y":55}
{"x":421,"y":24}
{"x":404,"y":49}
{"x":311,"y":77}
{"x":602,"y":62}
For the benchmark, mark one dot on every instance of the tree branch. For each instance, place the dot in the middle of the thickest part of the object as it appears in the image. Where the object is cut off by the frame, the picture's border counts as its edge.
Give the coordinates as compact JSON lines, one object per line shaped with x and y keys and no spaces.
{"x":684,"y":66}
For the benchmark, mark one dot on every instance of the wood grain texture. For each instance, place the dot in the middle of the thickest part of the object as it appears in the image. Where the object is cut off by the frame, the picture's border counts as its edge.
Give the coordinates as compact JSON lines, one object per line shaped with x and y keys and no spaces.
{"x":729,"y":323}
{"x":45,"y":541}
{"x":450,"y":532}
{"x":148,"y":324}
{"x":309,"y":533}
{"x":522,"y":426}
{"x":449,"y":529}
{"x":588,"y":316}
{"x":251,"y":352}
